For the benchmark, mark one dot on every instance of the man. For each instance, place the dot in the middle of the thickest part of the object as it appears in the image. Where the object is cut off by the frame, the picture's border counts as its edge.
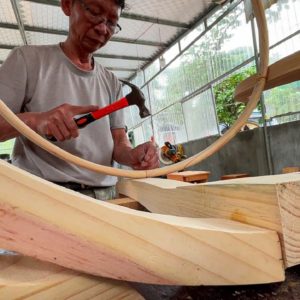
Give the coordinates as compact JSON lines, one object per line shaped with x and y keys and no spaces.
{"x":48,"y":85}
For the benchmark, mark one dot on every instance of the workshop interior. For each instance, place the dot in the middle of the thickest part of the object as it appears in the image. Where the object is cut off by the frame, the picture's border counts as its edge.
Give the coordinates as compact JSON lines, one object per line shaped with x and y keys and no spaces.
{"x":214,"y":87}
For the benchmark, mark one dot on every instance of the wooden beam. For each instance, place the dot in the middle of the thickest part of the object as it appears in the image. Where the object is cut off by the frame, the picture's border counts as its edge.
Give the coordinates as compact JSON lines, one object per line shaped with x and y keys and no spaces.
{"x":284,"y":71}
{"x":127,"y":202}
{"x":27,"y":278}
{"x":54,"y":224}
{"x":190,"y":176}
{"x":290,"y":169}
{"x":271,"y":202}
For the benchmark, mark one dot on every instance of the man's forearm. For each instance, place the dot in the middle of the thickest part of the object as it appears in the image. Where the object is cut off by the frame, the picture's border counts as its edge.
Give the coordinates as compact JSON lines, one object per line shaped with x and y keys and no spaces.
{"x":123,"y":153}
{"x":8,"y":132}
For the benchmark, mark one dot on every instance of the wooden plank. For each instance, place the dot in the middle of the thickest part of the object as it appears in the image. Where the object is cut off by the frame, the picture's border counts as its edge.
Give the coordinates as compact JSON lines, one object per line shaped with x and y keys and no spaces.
{"x":127,"y":202}
{"x":233,"y":176}
{"x":282,"y":72}
{"x":27,"y":278}
{"x":190,"y":176}
{"x":54,"y":224}
{"x":290,"y":170}
{"x":271,"y":202}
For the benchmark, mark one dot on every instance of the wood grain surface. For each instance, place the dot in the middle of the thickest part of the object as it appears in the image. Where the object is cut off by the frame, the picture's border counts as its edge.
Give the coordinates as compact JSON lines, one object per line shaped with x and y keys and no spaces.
{"x":27,"y":278}
{"x":271,"y":202}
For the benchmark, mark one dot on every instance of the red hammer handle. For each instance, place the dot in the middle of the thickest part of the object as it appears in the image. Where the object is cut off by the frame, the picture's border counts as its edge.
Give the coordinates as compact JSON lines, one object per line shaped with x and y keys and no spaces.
{"x":95,"y":115}
{"x":110,"y":108}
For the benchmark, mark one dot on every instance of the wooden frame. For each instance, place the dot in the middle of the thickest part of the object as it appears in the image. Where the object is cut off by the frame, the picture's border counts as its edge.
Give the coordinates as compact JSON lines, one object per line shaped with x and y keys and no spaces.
{"x":48,"y":222}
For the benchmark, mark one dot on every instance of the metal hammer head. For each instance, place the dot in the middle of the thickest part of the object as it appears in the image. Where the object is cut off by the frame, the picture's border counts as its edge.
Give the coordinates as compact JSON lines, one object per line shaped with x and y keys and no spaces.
{"x":136,"y":97}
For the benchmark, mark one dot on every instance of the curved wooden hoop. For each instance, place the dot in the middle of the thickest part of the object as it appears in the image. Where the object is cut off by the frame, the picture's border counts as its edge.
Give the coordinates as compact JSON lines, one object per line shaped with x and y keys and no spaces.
{"x":14,"y":121}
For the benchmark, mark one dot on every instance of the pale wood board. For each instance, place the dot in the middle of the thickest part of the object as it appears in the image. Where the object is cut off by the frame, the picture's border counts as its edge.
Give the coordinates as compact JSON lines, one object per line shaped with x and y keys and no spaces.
{"x":27,"y":278}
{"x":51,"y":223}
{"x":271,"y":202}
{"x":282,"y":72}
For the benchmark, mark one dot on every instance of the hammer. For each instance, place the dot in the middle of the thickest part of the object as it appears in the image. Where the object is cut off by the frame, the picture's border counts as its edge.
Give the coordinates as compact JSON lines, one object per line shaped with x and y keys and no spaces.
{"x":135,"y":97}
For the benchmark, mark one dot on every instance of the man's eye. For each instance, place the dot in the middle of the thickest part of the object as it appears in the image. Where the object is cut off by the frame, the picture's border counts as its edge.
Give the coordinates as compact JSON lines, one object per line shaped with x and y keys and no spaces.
{"x":111,"y":23}
{"x":93,"y":13}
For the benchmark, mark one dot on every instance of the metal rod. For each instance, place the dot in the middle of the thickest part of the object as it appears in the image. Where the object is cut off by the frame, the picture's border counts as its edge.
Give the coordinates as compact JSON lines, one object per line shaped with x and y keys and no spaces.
{"x":19,"y":20}
{"x":265,"y":127}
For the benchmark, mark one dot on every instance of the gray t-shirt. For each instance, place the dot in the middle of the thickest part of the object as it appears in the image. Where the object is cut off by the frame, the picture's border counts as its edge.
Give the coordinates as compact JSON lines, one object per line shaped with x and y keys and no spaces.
{"x":39,"y":78}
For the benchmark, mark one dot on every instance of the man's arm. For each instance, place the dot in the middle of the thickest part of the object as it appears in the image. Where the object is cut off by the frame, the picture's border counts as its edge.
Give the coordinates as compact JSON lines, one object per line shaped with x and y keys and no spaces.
{"x":8,"y":132}
{"x":57,"y":122}
{"x":142,"y":157}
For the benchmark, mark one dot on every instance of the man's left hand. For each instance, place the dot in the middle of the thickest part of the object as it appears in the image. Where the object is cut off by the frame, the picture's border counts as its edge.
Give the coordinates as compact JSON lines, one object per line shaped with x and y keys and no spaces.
{"x":145,"y":157}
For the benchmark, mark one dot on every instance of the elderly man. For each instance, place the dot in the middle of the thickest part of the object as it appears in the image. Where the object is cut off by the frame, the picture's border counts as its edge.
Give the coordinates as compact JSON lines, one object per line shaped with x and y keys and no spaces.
{"x":48,"y":85}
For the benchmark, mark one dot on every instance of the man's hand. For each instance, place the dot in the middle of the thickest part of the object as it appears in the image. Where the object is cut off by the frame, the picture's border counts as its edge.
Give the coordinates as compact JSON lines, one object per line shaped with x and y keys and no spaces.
{"x":59,"y":122}
{"x":142,"y":157}
{"x":145,"y":157}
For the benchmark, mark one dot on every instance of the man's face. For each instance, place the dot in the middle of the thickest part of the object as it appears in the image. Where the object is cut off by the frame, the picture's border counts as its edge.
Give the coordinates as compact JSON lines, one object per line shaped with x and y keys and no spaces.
{"x":92,"y":23}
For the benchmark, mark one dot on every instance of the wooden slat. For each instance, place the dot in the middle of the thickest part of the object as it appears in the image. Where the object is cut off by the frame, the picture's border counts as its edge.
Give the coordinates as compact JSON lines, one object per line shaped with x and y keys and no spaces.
{"x":233,"y":176}
{"x":290,"y":170}
{"x":190,"y":176}
{"x":271,"y":202}
{"x":127,"y":202}
{"x":27,"y":278}
{"x":282,"y":72}
{"x":58,"y":225}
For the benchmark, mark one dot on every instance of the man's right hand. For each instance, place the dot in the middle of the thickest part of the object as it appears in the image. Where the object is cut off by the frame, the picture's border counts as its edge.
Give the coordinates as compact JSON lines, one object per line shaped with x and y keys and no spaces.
{"x":59,"y":122}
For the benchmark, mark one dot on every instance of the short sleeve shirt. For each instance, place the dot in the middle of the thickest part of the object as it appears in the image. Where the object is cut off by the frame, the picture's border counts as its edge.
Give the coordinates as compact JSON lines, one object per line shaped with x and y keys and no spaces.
{"x":40,"y":78}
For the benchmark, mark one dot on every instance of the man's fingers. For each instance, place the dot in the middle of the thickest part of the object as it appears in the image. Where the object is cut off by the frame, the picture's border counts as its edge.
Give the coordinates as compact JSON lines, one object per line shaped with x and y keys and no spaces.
{"x":72,"y":127}
{"x":151,"y":152}
{"x":153,"y":162}
{"x":146,"y":157}
{"x":53,"y":130}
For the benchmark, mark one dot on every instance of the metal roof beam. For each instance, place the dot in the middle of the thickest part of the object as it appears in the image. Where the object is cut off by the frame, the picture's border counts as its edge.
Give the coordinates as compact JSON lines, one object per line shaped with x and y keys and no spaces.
{"x":111,"y":56}
{"x":123,"y":57}
{"x":154,"y":20}
{"x":45,"y":30}
{"x":65,"y":33}
{"x":138,"y":42}
{"x":19,"y":20}
{"x":121,"y":69}
{"x":9,"y":26}
{"x":48,"y":2}
{"x":7,"y":47}
{"x":127,"y":16}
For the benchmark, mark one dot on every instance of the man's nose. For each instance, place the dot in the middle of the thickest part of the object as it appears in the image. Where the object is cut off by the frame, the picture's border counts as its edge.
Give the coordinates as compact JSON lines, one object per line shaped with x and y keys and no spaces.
{"x":101,"y":28}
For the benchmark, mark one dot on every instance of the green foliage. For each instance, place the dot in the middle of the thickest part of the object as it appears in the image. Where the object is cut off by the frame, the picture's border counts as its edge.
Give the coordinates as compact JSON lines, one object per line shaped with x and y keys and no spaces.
{"x":283,"y":99}
{"x":6,"y":147}
{"x":199,"y":64}
{"x":228,"y":110}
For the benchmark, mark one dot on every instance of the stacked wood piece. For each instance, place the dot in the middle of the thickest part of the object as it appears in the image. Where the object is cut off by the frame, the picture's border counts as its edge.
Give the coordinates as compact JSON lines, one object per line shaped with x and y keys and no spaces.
{"x":271,"y":202}
{"x":27,"y":278}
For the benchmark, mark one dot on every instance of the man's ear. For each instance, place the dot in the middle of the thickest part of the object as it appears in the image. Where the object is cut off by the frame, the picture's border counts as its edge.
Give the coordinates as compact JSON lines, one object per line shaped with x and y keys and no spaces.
{"x":66,"y":6}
